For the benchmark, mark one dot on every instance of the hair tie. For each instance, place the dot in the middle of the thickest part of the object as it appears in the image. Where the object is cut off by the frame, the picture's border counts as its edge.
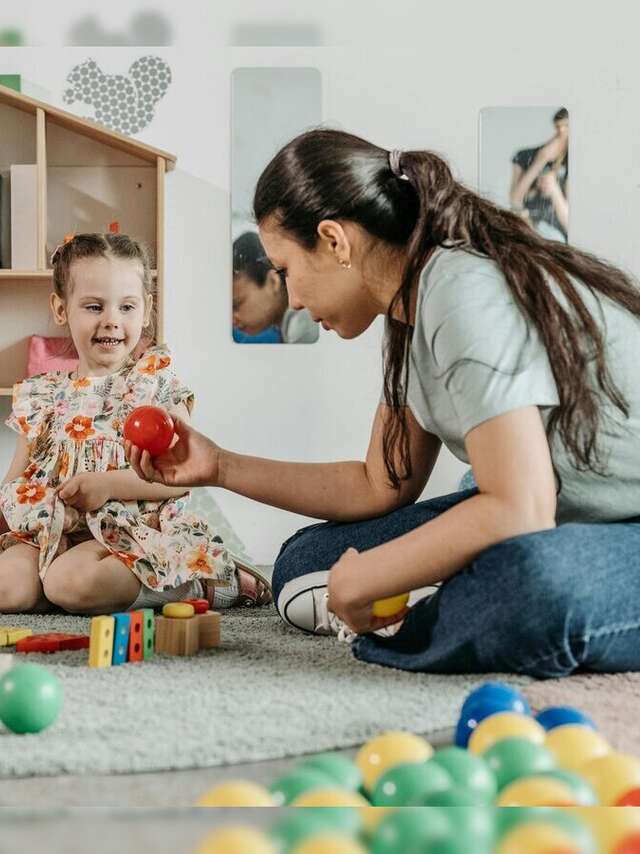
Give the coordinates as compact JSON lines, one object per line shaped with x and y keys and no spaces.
{"x":394,"y":163}
{"x":56,"y":252}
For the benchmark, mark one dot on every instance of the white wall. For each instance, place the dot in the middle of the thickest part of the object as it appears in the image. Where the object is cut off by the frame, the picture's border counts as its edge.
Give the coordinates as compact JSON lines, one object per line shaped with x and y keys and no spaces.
{"x":316,"y":402}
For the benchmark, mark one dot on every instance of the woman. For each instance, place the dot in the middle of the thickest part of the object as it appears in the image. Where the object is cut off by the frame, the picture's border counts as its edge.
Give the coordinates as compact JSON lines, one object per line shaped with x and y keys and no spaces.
{"x":521,"y":355}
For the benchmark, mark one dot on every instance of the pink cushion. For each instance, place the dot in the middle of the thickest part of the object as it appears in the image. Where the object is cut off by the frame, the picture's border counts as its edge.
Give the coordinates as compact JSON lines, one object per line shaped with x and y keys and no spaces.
{"x":50,"y":354}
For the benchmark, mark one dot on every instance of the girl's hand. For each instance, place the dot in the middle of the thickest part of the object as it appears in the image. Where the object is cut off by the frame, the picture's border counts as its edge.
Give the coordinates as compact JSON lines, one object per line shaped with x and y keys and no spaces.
{"x":192,"y":460}
{"x":348,"y":598}
{"x":86,"y":492}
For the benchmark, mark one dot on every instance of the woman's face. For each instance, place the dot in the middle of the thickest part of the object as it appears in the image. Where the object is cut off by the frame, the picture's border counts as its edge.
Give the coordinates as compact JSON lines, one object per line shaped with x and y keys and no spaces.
{"x":257,"y":307}
{"x":334,"y":295}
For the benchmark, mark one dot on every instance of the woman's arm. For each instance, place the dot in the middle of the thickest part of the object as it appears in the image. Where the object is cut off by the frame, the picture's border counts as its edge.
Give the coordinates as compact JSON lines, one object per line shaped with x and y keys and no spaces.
{"x":512,"y":465}
{"x":18,"y":464}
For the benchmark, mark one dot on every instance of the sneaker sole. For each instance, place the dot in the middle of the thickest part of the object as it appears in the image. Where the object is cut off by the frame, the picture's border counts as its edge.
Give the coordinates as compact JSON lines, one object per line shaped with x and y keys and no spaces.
{"x":294,"y":589}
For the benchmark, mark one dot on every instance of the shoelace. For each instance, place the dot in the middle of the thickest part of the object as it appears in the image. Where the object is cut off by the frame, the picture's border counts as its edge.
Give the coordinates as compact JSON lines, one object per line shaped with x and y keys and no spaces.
{"x":331,"y":623}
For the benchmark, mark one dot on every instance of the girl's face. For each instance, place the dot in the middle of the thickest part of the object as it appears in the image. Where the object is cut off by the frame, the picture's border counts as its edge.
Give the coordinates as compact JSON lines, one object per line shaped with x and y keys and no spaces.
{"x":256,"y":307}
{"x":106,"y":309}
{"x":339,"y":298}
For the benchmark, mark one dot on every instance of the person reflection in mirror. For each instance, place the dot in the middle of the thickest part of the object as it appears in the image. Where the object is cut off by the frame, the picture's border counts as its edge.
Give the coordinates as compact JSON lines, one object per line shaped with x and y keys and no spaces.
{"x":260,"y":299}
{"x":540,"y":182}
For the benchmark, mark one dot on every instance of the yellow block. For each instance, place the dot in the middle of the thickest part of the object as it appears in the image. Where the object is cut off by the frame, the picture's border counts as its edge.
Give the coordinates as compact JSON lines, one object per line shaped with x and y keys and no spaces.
{"x":4,"y":637}
{"x":180,"y":610}
{"x":14,"y":635}
{"x":101,"y":641}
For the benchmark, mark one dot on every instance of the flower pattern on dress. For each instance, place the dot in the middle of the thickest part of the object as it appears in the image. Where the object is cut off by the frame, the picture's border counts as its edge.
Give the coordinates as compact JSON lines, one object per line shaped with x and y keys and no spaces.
{"x":74,"y":426}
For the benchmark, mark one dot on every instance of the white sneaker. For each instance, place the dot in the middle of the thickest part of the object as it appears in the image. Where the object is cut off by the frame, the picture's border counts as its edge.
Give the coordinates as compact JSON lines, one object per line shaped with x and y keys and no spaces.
{"x":304,"y":604}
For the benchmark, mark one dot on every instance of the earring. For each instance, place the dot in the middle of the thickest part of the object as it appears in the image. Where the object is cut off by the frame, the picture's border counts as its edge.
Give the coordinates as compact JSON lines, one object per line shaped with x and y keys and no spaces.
{"x":345,"y":264}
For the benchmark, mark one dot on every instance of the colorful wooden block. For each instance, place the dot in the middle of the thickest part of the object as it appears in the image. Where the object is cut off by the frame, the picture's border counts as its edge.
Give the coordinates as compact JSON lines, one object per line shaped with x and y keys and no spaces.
{"x":4,"y":637}
{"x":101,"y":647}
{"x":177,"y":636}
{"x":148,"y":632}
{"x":136,"y":637}
{"x":14,"y":635}
{"x":120,"y":638}
{"x":208,"y":629}
{"x":52,"y":642}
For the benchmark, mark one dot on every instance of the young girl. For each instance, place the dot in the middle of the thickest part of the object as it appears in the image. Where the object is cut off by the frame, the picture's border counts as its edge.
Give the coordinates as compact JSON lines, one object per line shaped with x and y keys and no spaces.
{"x":85,"y":533}
{"x":260,"y":300}
{"x":521,"y":355}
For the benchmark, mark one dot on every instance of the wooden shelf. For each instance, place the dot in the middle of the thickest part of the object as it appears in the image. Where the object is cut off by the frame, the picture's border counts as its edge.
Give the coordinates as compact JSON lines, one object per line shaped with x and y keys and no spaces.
{"x":6,"y":392}
{"x":45,"y":275}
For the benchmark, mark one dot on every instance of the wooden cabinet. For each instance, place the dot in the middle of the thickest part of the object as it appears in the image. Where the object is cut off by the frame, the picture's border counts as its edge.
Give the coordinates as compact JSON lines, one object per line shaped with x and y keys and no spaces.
{"x":85,"y":177}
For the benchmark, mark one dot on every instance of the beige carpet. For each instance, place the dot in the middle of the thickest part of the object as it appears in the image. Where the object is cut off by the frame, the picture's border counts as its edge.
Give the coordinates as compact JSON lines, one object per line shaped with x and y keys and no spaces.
{"x":612,"y":701}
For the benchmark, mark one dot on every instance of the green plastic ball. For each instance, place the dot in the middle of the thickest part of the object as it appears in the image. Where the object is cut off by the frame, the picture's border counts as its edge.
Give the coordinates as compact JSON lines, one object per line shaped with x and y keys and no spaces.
{"x":342,"y":770}
{"x":582,"y":790}
{"x":512,"y":758}
{"x":300,"y":824}
{"x":507,"y":818}
{"x":288,"y":787}
{"x":407,"y":785}
{"x":30,"y":698}
{"x":456,"y":796}
{"x":411,"y":831}
{"x":468,"y":770}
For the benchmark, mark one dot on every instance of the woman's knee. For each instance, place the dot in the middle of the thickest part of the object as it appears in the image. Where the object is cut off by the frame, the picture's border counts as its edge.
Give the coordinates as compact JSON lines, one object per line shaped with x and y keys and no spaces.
{"x":302,"y":553}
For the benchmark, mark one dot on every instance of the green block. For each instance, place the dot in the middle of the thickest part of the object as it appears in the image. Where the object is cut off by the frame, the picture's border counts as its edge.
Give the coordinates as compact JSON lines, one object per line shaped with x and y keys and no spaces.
{"x":12,"y":81}
{"x":148,"y":633}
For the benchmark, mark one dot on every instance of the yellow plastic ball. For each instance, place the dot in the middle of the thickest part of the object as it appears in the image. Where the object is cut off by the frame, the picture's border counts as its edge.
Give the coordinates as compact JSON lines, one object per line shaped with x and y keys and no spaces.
{"x":536,"y":792}
{"x":179,"y":610}
{"x":389,"y":749}
{"x":573,"y":745}
{"x":505,"y":725}
{"x":612,"y":776}
{"x":329,"y":843}
{"x":236,"y":793}
{"x":236,"y":840}
{"x":334,"y":797}
{"x":390,"y":606}
{"x":537,"y":838}
{"x":611,"y":826}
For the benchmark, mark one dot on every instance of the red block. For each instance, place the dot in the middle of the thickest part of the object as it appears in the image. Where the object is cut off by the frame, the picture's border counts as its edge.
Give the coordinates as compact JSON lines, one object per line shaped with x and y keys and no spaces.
{"x":52,"y":642}
{"x":136,"y":648}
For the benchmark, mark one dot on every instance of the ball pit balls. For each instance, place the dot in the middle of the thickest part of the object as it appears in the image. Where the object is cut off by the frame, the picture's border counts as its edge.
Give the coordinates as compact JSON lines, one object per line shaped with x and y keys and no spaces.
{"x":286,"y":788}
{"x":574,"y":745}
{"x":338,"y":768}
{"x":330,"y":842}
{"x":467,"y":770}
{"x":150,"y":428}
{"x":236,"y":793}
{"x":615,"y":777}
{"x":30,"y":698}
{"x":487,"y":700}
{"x":236,"y":840}
{"x":537,"y":792}
{"x":554,"y":716}
{"x":390,"y":748}
{"x":505,"y":725}
{"x":408,"y":784}
{"x":511,"y":758}
{"x":391,"y":606}
{"x":539,"y":839}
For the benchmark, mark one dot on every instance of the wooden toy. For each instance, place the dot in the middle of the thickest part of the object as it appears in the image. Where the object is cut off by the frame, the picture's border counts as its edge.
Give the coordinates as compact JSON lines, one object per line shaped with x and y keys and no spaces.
{"x":200,"y":606}
{"x":148,"y":633}
{"x":9,"y":635}
{"x":208,"y":629}
{"x":101,"y":646}
{"x":52,"y":642}
{"x":177,"y":635}
{"x":178,"y":610}
{"x":120,"y":638}
{"x":136,"y":650}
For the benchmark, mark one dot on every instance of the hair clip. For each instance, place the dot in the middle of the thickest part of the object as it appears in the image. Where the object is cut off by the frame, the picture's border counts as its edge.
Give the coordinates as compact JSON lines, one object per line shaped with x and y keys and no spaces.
{"x":56,"y":252}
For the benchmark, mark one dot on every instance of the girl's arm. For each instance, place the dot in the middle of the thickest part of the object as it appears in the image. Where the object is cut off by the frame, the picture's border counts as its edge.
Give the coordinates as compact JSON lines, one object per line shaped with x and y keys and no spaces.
{"x":512,"y":466}
{"x":18,"y":464}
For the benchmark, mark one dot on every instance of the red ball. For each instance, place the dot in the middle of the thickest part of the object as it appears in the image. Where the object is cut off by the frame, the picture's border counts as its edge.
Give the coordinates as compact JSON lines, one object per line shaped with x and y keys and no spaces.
{"x":150,"y":428}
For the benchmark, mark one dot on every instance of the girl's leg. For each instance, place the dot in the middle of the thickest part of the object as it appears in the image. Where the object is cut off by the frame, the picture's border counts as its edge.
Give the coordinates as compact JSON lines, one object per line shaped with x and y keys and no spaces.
{"x":88,"y":579}
{"x":545,"y":603}
{"x":20,"y":585}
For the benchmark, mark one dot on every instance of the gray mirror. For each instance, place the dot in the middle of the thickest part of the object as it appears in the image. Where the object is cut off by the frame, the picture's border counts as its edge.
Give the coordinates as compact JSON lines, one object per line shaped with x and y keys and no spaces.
{"x":524,"y":165}
{"x":270,"y":106}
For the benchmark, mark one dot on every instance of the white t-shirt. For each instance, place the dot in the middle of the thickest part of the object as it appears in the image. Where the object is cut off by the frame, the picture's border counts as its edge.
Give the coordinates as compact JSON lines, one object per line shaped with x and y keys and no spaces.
{"x":474,"y":356}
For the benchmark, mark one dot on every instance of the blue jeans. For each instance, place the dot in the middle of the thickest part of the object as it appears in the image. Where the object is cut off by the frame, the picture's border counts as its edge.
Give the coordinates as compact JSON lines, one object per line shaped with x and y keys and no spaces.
{"x":545,"y":603}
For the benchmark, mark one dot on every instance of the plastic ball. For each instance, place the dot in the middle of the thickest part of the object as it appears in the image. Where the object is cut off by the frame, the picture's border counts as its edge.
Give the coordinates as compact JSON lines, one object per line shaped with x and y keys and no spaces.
{"x":583,"y":792}
{"x":329,"y":843}
{"x":390,"y":606}
{"x":467,"y":770}
{"x":511,"y":758}
{"x":554,"y":716}
{"x":236,"y":793}
{"x":341,"y":770}
{"x":539,"y":839}
{"x":573,"y":745}
{"x":489,"y":699}
{"x":408,"y":784}
{"x":150,"y":428}
{"x":333,"y":797}
{"x":615,"y":777}
{"x":537,"y":792}
{"x":298,"y":825}
{"x":505,"y":725}
{"x":285,"y":789}
{"x":411,"y":831}
{"x":30,"y":698}
{"x":616,"y":831}
{"x":388,"y":749}
{"x":456,"y":796}
{"x":236,"y":840}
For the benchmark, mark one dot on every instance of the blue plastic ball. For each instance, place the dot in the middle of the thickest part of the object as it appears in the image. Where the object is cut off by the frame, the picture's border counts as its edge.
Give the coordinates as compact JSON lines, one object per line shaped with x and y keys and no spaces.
{"x":489,"y":699}
{"x":560,"y":715}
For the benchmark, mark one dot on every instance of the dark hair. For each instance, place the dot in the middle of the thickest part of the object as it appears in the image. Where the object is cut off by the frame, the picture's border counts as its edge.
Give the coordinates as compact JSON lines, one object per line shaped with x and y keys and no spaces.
{"x":249,"y":258}
{"x":562,"y":113}
{"x":330,"y":174}
{"x":95,"y":245}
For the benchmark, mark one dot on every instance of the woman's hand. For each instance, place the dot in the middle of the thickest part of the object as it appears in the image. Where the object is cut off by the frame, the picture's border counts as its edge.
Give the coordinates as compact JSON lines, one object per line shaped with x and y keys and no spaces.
{"x":348,"y":598}
{"x":86,"y":492}
{"x":192,"y":460}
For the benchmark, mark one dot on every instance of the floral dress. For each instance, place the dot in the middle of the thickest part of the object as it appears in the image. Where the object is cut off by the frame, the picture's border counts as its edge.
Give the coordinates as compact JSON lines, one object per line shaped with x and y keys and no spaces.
{"x":74,"y":426}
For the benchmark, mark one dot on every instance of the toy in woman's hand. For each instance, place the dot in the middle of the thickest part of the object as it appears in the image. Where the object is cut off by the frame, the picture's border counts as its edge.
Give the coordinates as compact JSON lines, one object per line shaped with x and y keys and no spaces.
{"x":391,"y":606}
{"x":150,"y":428}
